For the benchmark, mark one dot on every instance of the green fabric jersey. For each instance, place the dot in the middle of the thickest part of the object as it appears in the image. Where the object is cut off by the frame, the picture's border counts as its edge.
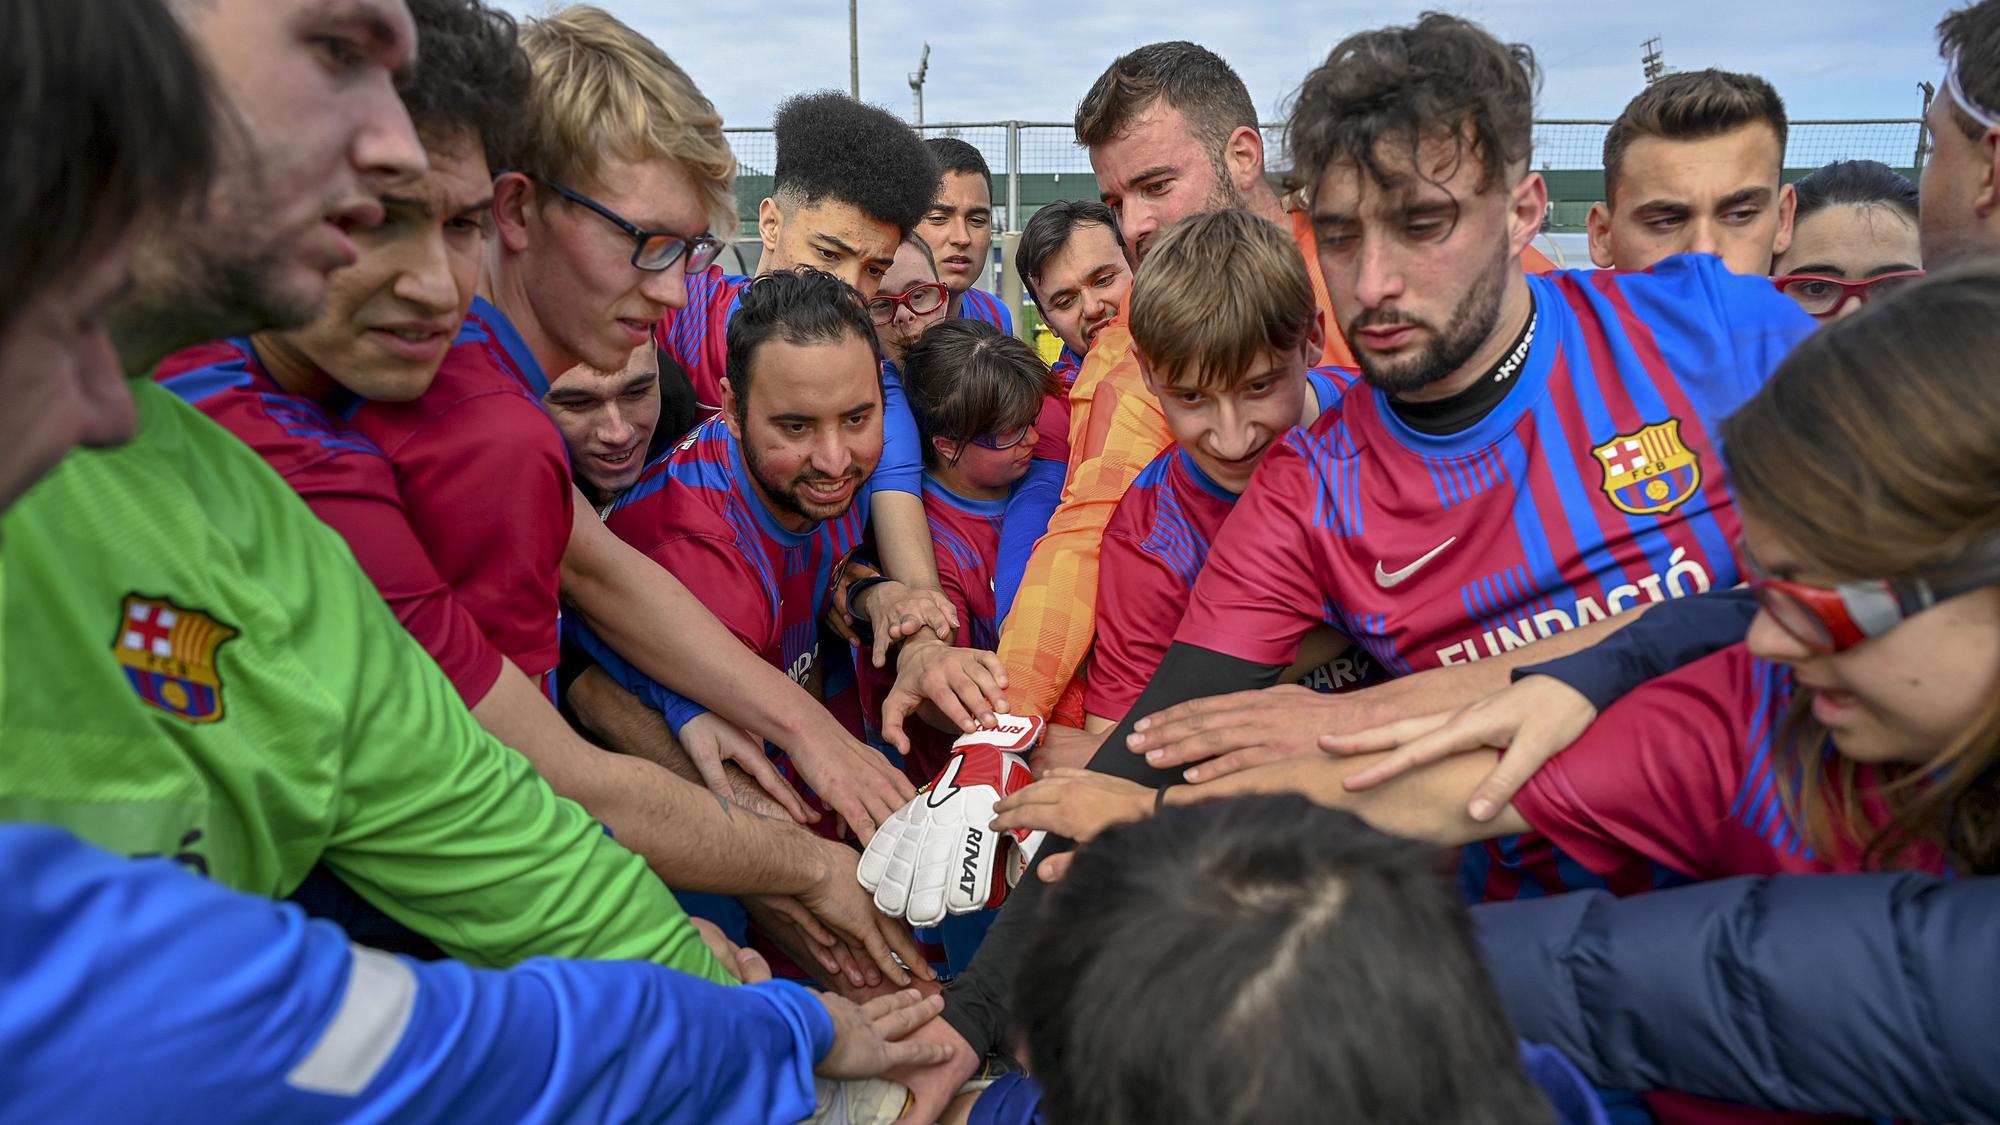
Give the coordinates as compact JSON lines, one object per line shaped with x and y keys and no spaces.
{"x":197,"y":667}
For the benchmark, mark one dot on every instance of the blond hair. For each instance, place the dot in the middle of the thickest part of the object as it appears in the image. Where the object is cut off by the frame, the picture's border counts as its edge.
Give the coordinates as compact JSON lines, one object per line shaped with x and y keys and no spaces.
{"x":1215,"y":294}
{"x":603,"y":89}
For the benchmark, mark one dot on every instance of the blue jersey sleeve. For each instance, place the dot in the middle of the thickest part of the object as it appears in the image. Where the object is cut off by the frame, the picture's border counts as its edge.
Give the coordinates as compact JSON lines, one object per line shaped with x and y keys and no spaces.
{"x":1722,"y":333}
{"x":136,"y":990}
{"x":676,"y":708}
{"x":902,"y":466}
{"x":1029,"y":509}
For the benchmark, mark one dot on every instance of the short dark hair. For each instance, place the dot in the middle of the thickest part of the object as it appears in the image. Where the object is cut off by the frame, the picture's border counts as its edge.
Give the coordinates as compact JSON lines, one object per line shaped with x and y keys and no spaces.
{"x":954,"y":155}
{"x":472,"y":75}
{"x":107,"y":117}
{"x":1264,"y":959}
{"x":1693,"y":106}
{"x":1440,"y":77}
{"x":1049,"y":230}
{"x":799,"y":306}
{"x":1855,"y":182}
{"x":833,"y":147}
{"x":966,"y":379}
{"x":1971,"y":35}
{"x":1191,"y":78}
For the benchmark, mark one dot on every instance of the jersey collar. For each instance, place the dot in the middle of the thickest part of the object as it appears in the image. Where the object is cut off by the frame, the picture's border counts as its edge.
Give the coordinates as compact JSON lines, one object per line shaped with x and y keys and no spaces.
{"x":1529,"y":383}
{"x":1200,"y":478}
{"x":991,"y":508}
{"x":495,"y":325}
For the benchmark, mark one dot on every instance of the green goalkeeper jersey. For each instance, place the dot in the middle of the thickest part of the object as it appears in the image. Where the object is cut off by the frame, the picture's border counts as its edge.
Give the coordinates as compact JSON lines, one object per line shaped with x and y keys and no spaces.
{"x":196,"y":667}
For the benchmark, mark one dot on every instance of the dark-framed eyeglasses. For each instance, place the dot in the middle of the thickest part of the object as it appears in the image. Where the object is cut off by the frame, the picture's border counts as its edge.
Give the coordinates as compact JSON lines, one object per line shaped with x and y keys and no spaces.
{"x":652,"y":250}
{"x":1005,"y":440}
{"x":1822,"y":296}
{"x":921,"y":300}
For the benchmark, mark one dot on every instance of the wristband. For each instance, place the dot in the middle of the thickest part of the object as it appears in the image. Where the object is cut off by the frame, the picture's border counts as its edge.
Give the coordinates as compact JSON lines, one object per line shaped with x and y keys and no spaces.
{"x":863,"y":627}
{"x":1160,"y":799}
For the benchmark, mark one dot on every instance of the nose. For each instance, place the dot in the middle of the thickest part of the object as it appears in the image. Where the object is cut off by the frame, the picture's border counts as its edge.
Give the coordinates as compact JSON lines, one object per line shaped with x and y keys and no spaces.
{"x":1702,"y":239}
{"x":1770,"y":641}
{"x":384,"y":148}
{"x":1847,"y":308}
{"x":667,"y":287}
{"x":830,"y":456}
{"x":429,"y":283}
{"x":1234,"y":435}
{"x":614,"y":430}
{"x":1378,"y":276}
{"x":1137,"y":220}
{"x":959,"y":233}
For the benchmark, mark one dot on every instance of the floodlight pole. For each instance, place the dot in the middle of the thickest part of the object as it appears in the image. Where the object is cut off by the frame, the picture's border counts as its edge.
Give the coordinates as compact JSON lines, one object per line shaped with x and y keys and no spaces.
{"x":917,"y":82}
{"x":853,"y":50}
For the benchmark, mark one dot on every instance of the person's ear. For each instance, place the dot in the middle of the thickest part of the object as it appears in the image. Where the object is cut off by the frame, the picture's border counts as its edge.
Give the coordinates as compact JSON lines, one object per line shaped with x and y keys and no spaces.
{"x":1788,"y":210}
{"x":1314,"y":344}
{"x":513,"y":200}
{"x":770,"y":223}
{"x":729,"y":411}
{"x":946,"y":449}
{"x":1598,"y":223}
{"x":1987,"y":199}
{"x":1243,"y":155}
{"x":1528,"y":207}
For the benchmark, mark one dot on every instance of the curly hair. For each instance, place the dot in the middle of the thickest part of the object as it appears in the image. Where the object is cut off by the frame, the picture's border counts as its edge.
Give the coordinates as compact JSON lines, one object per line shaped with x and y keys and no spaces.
{"x":833,"y":147}
{"x":472,"y":75}
{"x":1441,"y":77}
{"x":1971,"y":35}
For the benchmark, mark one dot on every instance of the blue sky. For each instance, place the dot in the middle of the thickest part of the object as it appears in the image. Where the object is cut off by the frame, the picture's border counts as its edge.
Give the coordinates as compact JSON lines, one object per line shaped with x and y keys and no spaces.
{"x":1032,"y":60}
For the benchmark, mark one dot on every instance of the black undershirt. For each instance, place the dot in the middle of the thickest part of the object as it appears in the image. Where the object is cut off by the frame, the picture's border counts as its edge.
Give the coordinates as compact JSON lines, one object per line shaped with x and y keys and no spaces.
{"x":1468,"y":407}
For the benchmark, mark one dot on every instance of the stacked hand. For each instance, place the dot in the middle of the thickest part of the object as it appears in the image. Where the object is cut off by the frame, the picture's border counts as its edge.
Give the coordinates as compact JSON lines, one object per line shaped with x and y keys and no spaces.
{"x":938,"y":854}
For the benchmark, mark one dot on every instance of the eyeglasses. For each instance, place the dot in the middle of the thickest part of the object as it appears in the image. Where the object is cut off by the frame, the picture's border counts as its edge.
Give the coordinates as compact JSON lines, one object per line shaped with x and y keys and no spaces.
{"x":1835,"y":618}
{"x":1003,"y":441}
{"x":1822,"y":296}
{"x":923,"y":300}
{"x":652,"y":250}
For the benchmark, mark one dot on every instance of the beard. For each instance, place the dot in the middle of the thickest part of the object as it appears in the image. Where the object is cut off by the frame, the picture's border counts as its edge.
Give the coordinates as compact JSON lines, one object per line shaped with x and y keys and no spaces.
{"x":789,"y":496}
{"x":1472,"y":323}
{"x":212,"y":272}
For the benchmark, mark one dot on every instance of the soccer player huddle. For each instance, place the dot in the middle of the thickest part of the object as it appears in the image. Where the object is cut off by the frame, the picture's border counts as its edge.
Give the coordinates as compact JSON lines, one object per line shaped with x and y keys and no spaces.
{"x":468,"y":656}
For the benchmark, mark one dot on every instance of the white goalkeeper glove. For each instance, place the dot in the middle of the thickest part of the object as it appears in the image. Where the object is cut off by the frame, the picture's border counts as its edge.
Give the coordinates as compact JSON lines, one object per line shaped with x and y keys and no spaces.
{"x":936,"y":856}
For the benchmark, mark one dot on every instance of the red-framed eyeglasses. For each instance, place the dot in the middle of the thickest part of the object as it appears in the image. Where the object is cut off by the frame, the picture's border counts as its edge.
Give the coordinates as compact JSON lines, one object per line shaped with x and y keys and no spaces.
{"x":1836,"y":618}
{"x":1822,"y":296}
{"x":921,"y":300}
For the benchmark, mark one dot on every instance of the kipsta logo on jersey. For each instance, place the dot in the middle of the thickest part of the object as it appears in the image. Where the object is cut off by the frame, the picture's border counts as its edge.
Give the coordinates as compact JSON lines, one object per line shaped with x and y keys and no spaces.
{"x":1649,"y":472}
{"x":168,"y":653}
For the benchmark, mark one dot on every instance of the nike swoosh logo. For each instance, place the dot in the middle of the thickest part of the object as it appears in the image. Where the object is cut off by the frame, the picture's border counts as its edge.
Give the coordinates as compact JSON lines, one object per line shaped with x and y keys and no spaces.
{"x":1389,"y":578}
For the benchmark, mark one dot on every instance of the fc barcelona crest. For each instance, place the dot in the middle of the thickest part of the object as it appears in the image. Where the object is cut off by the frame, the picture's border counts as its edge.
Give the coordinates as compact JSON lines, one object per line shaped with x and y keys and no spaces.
{"x":1649,"y":472}
{"x":168,"y":654}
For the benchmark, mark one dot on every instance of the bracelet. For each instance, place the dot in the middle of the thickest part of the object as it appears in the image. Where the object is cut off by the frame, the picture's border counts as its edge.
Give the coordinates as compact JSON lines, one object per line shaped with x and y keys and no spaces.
{"x":1160,"y":799}
{"x":858,"y":586}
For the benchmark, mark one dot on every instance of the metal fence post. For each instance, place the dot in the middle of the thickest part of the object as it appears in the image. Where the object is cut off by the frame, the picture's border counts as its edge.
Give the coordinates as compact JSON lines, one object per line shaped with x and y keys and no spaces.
{"x":1014,"y":175}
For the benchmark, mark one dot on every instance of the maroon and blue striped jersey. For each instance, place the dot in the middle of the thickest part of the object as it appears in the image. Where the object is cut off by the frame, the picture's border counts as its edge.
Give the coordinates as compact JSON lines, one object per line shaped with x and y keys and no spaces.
{"x":978,"y":304}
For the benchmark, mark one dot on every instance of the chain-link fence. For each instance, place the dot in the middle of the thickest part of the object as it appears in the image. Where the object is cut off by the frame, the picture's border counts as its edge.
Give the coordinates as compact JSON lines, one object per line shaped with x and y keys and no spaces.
{"x":1038,"y":162}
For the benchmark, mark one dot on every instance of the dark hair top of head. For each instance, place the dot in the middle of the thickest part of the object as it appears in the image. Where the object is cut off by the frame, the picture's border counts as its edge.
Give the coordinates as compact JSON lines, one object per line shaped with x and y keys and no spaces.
{"x":801,"y":306}
{"x":1693,"y":106}
{"x":831,"y":147}
{"x":472,"y":74}
{"x":1971,"y":35}
{"x":105,"y":112}
{"x":1441,"y":77}
{"x":954,"y":155}
{"x":1191,"y":78}
{"x":966,"y":379}
{"x":1263,"y":960}
{"x":1051,"y":227}
{"x":1852,"y":182}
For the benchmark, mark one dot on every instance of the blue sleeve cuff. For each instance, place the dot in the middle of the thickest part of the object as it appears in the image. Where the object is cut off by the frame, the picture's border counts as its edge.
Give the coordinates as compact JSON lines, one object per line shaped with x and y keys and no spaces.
{"x":676,"y":708}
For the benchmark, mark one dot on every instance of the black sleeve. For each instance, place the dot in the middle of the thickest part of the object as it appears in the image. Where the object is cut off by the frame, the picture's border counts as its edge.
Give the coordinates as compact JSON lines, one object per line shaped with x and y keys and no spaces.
{"x":1862,"y":995}
{"x":1673,"y":633}
{"x":977,"y":1003}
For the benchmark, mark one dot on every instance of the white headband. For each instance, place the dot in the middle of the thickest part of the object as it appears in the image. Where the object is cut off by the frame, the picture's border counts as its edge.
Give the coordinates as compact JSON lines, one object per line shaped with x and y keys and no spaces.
{"x":1986,"y":118}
